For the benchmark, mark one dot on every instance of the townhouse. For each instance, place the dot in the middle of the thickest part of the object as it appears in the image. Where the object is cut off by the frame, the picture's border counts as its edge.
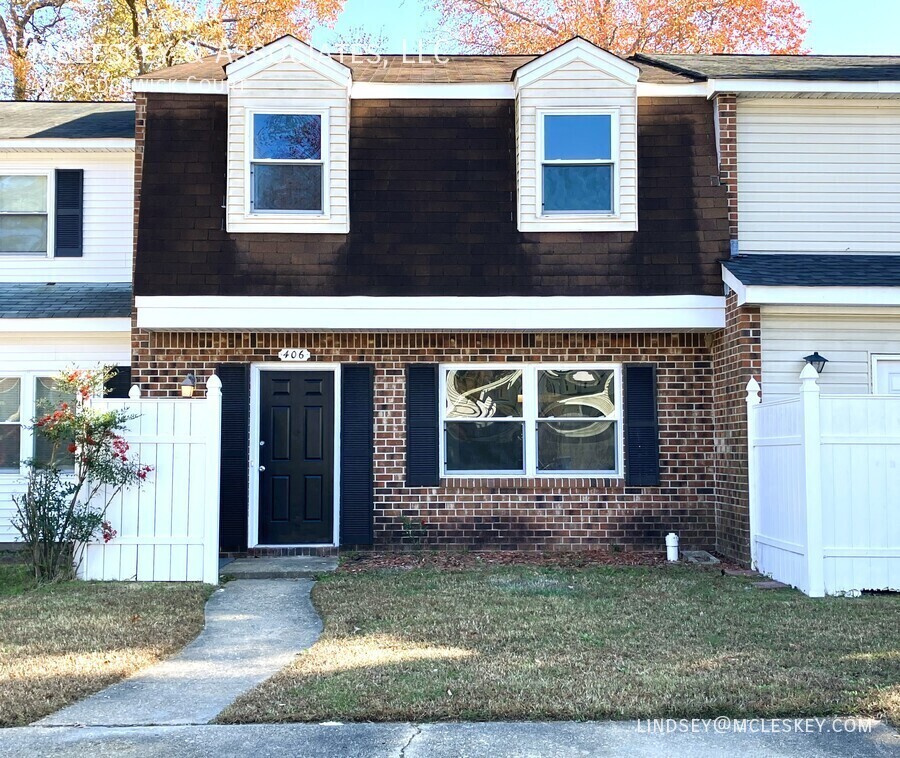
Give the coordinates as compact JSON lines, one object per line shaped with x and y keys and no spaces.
{"x":492,"y":301}
{"x":66,"y":240}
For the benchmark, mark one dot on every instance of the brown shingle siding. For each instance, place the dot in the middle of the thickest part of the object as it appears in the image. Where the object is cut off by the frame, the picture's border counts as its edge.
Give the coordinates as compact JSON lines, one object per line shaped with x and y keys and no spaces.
{"x":432,"y":201}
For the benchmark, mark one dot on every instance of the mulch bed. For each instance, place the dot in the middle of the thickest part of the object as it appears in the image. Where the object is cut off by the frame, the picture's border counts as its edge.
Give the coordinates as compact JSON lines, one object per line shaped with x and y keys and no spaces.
{"x":449,"y":560}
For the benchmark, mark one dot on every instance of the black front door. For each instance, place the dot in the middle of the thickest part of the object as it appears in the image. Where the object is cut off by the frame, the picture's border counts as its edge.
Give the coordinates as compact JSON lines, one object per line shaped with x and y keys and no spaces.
{"x":296,"y":457}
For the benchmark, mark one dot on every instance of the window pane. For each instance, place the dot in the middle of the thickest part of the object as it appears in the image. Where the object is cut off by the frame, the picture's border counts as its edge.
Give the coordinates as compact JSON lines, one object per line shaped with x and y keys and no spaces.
{"x":23,"y":234}
{"x":484,"y":393}
{"x":26,"y":194}
{"x":287,"y":137}
{"x":574,"y":138}
{"x":578,"y":188}
{"x":287,"y":187}
{"x":9,"y":447}
{"x":576,"y":445}
{"x":9,"y":400}
{"x":48,"y":399}
{"x":485,"y":446}
{"x":576,"y":393}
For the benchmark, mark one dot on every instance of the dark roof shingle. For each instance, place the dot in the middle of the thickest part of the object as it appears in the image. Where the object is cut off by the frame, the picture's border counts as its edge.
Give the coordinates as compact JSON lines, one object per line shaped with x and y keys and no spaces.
{"x":39,"y":120}
{"x":728,"y":66}
{"x":65,"y":300}
{"x":816,"y":270}
{"x":451,"y":69}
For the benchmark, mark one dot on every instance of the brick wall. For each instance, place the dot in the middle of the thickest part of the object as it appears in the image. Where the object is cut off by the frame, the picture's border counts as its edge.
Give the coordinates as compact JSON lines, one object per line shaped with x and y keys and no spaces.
{"x":503,"y":512}
{"x":726,"y":109}
{"x":735,"y":359}
{"x":432,"y":197}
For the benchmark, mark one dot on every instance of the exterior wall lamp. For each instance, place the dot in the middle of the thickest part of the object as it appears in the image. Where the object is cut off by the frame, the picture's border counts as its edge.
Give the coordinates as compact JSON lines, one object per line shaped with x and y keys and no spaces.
{"x":816,"y":361}
{"x":187,"y":386}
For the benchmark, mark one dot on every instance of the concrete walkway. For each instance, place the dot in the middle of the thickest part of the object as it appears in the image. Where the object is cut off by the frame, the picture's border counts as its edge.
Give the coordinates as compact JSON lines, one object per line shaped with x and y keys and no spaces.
{"x":253,"y":629}
{"x":497,"y":740}
{"x":287,"y":567}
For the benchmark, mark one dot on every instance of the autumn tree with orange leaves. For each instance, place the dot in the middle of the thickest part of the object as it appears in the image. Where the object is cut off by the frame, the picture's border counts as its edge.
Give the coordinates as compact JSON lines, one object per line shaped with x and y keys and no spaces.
{"x":104,"y":43}
{"x":626,"y":26}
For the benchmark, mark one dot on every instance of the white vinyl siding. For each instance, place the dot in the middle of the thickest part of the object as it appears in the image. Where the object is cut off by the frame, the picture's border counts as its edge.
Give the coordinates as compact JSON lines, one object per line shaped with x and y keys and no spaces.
{"x":289,"y":86}
{"x":576,"y":85}
{"x":818,"y":176}
{"x":43,"y":354}
{"x":847,"y":338}
{"x":108,"y":219}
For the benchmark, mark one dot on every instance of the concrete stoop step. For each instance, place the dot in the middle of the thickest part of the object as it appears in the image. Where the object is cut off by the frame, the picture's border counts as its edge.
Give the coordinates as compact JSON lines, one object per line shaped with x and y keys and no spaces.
{"x":281,"y":567}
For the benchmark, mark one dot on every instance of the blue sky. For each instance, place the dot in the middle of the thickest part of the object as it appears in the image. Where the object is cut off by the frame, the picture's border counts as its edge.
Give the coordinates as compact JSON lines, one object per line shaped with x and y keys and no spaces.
{"x":859,"y":27}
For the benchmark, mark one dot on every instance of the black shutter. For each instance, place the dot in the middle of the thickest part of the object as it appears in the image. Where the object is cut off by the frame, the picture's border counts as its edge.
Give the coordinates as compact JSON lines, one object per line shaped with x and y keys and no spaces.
{"x":233,"y":508}
{"x":641,"y":426}
{"x":422,"y":426}
{"x":357,"y":439}
{"x":69,"y":229}
{"x":120,"y":384}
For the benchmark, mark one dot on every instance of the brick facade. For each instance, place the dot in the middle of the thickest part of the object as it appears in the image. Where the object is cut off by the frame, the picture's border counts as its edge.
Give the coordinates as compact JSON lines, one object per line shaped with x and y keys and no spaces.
{"x":503,"y":512}
{"x":735,"y":359}
{"x":432,"y":198}
{"x":726,"y":112}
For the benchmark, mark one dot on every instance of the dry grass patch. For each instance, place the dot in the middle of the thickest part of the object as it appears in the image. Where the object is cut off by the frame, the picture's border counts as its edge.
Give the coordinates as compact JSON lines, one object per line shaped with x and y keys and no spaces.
{"x":593,"y":643}
{"x":62,"y":642}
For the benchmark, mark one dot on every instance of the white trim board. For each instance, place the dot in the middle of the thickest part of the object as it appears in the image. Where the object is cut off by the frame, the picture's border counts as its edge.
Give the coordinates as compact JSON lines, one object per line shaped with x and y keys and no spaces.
{"x":756,"y":294}
{"x":658,"y":313}
{"x":253,"y":458}
{"x":31,"y":144}
{"x":65,"y":324}
{"x":414,"y":90}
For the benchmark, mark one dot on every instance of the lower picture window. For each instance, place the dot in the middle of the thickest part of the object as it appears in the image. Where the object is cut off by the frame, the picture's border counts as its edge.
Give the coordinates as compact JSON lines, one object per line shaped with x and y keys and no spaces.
{"x":532,"y":420}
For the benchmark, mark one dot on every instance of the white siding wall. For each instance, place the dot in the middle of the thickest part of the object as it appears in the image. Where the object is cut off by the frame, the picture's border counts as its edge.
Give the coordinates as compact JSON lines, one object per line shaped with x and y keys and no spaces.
{"x":108,"y":219}
{"x":848,"y":338}
{"x":818,"y":176}
{"x":576,"y":85}
{"x":45,"y":353}
{"x":288,"y":86}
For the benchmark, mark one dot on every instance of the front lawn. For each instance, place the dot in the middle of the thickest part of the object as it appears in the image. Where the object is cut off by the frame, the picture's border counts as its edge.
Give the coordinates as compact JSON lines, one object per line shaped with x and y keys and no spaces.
{"x":61,"y":642}
{"x":605,"y":642}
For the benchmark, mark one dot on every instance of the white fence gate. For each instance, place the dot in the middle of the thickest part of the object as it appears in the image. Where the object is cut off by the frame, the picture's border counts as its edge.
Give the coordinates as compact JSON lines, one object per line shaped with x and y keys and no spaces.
{"x":168,"y":530}
{"x":825,"y":489}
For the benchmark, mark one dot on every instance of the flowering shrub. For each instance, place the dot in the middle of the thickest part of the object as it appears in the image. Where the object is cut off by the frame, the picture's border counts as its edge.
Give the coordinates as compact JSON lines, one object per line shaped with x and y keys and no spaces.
{"x":61,"y":507}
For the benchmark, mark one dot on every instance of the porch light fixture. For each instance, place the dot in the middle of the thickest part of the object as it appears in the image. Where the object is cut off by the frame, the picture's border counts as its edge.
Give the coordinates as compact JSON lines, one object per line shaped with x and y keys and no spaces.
{"x":187,"y":386}
{"x":816,"y":361}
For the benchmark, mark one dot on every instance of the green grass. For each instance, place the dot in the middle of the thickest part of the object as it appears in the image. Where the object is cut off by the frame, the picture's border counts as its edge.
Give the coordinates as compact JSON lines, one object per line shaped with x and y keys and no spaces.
{"x":595,"y":643}
{"x":61,"y":642}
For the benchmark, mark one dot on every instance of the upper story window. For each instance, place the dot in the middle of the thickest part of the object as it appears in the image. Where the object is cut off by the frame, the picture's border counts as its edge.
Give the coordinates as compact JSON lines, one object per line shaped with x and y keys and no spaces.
{"x":24,"y":214}
{"x":578,"y":163}
{"x":287,"y":166}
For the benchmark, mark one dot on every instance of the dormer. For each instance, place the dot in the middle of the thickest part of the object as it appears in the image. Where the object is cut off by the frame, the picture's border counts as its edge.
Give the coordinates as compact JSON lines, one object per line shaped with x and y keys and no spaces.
{"x":288,"y":141}
{"x":576,"y":144}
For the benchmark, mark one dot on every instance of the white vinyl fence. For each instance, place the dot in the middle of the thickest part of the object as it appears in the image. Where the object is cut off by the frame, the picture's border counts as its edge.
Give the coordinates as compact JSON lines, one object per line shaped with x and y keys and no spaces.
{"x":168,"y":530}
{"x":825,"y":489}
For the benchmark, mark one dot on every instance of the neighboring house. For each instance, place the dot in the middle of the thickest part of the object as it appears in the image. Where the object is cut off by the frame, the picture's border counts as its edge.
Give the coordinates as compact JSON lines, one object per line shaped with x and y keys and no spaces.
{"x":66,"y":240}
{"x":507,"y":273}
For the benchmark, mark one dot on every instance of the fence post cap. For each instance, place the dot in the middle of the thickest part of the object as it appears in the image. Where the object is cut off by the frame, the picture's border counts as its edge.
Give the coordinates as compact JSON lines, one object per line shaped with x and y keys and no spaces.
{"x":753,"y":389}
{"x":135,"y":392}
{"x":213,"y":384}
{"x":809,"y":377}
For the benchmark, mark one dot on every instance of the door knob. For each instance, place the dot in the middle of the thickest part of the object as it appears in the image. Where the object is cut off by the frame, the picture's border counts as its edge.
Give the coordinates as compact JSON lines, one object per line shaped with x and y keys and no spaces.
{"x":262,"y":468}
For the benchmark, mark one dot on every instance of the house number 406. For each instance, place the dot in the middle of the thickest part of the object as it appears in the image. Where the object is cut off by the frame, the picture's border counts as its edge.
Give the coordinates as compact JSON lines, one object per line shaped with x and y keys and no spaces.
{"x":294,"y":354}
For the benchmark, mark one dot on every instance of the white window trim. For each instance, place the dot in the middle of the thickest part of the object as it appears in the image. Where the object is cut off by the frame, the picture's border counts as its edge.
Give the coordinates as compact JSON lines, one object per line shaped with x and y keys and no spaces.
{"x":530,"y":419}
{"x":881,"y":358}
{"x":615,"y":161}
{"x":51,"y":212}
{"x":300,"y":216}
{"x":27,"y":412}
